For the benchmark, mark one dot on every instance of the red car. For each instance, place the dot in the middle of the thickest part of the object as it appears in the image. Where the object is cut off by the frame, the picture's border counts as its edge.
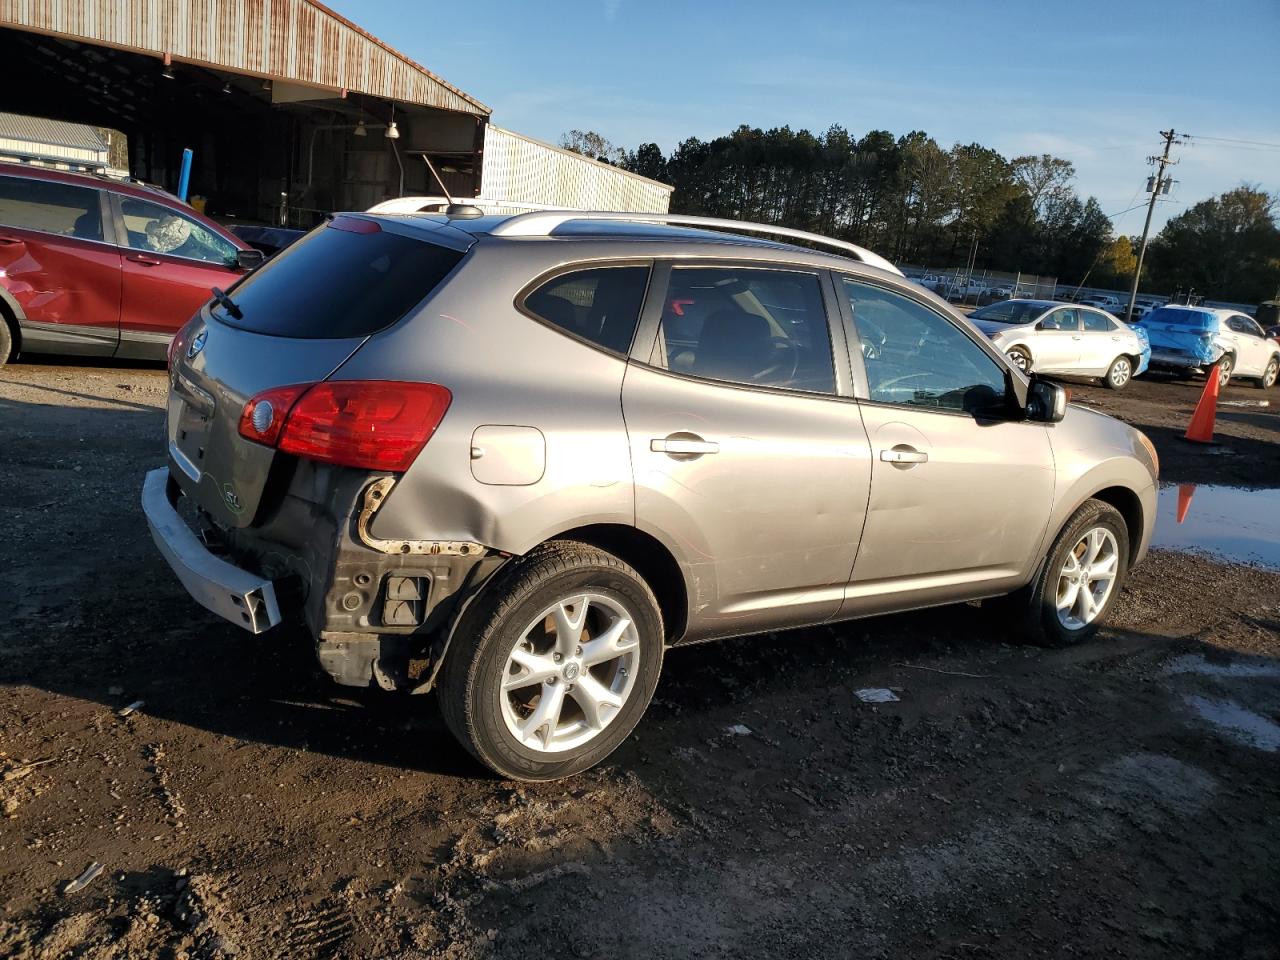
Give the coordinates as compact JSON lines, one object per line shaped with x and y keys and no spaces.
{"x":94,"y":266}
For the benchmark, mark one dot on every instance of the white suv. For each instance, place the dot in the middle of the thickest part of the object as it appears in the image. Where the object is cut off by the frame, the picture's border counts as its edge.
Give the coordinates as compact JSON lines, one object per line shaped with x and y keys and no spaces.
{"x":1190,"y":339}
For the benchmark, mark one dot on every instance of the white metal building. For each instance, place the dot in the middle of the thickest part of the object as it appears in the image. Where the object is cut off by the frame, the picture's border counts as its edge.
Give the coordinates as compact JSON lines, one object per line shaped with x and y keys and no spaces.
{"x":69,"y":146}
{"x":524,"y":170}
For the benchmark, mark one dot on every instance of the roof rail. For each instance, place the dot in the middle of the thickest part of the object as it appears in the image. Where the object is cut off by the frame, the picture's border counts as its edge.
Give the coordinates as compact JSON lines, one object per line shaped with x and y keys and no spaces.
{"x":541,"y":223}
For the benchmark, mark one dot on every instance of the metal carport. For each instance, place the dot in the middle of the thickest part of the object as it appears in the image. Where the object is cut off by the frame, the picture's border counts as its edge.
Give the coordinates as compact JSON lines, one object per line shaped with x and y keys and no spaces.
{"x":287,"y":105}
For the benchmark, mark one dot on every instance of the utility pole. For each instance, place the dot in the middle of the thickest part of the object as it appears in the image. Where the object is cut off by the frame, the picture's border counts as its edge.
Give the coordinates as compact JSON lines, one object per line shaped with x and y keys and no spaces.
{"x":1156,"y":183}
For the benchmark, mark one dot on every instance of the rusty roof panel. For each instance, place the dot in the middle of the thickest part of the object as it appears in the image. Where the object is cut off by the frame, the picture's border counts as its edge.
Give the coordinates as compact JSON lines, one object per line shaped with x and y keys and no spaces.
{"x":301,"y":41}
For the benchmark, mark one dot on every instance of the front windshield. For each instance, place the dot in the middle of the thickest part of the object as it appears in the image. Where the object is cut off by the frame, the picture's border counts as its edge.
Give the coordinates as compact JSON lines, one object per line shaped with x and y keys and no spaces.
{"x":1009,"y":311}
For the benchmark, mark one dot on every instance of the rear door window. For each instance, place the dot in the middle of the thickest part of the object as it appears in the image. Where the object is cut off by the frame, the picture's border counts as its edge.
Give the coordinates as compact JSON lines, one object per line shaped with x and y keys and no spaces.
{"x":759,"y":327}
{"x":1096,"y":322}
{"x":51,"y":207}
{"x":348,"y":278}
{"x":1244,"y":325}
{"x":600,"y":305}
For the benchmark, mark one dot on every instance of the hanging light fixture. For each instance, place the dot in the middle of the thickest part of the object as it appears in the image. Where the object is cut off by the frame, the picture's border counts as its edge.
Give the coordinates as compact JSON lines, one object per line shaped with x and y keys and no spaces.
{"x":361,"y":130}
{"x":392,"y":132}
{"x":167,"y":72}
{"x":226,"y":87}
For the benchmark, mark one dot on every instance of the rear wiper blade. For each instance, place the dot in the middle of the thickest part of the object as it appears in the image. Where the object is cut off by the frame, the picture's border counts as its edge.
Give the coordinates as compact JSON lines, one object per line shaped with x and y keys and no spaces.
{"x":227,"y":304}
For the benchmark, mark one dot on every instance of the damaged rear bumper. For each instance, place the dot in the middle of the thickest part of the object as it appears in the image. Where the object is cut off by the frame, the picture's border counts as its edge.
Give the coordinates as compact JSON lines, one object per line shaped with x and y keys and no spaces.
{"x":236,"y":595}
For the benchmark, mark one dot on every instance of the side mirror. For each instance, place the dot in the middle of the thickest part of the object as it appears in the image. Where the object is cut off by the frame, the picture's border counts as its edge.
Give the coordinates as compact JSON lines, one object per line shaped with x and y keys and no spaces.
{"x":1046,"y":402}
{"x":250,"y":259}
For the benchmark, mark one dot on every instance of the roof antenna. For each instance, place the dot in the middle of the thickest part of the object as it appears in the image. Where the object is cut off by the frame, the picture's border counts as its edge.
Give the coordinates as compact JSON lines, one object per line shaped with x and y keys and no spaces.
{"x":462,"y":211}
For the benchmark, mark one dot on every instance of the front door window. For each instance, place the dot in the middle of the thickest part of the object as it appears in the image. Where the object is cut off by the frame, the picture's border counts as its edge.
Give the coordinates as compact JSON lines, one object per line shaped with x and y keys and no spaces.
{"x":154,"y":228}
{"x":916,"y":357}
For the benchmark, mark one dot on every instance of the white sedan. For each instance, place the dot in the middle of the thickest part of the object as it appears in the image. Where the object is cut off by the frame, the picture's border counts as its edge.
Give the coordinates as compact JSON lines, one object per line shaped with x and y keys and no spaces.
{"x":1045,"y":336}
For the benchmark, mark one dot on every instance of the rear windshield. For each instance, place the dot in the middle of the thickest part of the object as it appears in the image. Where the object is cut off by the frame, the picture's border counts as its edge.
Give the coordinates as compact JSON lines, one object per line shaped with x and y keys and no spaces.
{"x":1192,"y":319}
{"x":1010,"y":311}
{"x":336,"y":283}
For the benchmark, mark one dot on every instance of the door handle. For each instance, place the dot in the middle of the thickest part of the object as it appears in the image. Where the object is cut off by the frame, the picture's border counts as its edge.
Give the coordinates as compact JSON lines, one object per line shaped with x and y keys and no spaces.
{"x":7,"y":240}
{"x":904,"y":455}
{"x":684,"y":446}
{"x":1077,"y":337}
{"x":144,"y":260}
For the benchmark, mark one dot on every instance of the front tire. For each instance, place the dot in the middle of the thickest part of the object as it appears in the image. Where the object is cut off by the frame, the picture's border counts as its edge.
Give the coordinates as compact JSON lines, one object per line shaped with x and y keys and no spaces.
{"x":1077,"y":585}
{"x":1020,"y":358}
{"x":1119,"y":374}
{"x":554,"y":664}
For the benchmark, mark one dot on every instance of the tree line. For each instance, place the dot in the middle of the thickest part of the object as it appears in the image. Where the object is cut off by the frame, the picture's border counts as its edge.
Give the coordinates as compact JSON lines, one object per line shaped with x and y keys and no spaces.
{"x":917,"y":202}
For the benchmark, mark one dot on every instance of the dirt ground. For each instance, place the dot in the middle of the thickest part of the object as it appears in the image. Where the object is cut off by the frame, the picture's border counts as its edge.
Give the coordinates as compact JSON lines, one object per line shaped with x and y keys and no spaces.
{"x":1118,"y":799}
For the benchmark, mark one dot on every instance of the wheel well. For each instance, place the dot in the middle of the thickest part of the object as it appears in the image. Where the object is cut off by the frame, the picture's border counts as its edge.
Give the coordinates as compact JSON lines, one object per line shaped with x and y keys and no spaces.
{"x":1130,"y":507}
{"x":651,"y":559}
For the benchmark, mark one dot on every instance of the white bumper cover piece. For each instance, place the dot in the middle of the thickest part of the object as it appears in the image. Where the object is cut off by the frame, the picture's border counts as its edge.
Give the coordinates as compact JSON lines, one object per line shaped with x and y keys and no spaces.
{"x":236,"y":595}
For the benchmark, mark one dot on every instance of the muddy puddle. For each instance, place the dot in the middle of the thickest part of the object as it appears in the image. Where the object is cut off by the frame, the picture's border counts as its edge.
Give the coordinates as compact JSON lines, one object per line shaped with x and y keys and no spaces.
{"x":1234,"y":524}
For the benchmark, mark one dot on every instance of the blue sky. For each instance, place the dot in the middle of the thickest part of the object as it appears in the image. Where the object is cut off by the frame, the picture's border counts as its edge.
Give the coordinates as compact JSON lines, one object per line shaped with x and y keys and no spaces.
{"x":1089,"y":81}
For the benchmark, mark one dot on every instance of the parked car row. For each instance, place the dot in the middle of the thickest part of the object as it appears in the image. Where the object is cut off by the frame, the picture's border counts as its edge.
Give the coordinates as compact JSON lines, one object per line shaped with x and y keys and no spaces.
{"x":1065,"y":339}
{"x":960,"y":290}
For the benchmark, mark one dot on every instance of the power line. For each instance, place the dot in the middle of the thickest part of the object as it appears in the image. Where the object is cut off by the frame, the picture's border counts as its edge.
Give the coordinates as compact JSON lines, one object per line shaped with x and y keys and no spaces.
{"x":1112,"y":216}
{"x":1251,"y":143}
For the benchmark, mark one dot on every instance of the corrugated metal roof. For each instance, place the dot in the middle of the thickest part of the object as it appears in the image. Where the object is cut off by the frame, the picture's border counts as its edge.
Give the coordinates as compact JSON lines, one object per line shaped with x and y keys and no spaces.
{"x":59,"y":133}
{"x":301,"y":41}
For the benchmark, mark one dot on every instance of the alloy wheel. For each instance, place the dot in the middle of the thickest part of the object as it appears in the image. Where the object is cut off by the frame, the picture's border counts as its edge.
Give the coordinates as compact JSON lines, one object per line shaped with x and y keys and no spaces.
{"x":1224,"y":371}
{"x":1120,"y":371}
{"x":1087,"y":577}
{"x":570,"y":673}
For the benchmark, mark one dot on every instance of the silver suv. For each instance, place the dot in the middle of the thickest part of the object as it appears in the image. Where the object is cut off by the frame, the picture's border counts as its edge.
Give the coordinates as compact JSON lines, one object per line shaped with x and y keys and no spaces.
{"x":516,"y":459}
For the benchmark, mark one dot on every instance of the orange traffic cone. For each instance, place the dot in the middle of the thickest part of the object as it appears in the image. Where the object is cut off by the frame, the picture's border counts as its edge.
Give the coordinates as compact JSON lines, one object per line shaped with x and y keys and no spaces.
{"x":1200,"y":430}
{"x":1185,"y":492}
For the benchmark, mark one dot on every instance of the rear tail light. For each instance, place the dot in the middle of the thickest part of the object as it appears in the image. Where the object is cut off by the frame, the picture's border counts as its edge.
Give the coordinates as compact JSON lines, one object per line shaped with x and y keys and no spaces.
{"x":371,"y":424}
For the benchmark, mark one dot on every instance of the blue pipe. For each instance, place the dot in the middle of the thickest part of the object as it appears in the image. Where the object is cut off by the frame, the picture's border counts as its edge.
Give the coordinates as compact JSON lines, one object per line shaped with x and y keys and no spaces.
{"x":184,"y":176}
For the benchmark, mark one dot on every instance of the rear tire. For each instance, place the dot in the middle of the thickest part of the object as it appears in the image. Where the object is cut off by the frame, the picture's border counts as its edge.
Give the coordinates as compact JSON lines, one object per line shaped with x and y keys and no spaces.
{"x":1224,"y":368}
{"x":1052,"y":611}
{"x":554,"y":664}
{"x":6,"y":340}
{"x":1269,"y":375}
{"x":1119,"y":373}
